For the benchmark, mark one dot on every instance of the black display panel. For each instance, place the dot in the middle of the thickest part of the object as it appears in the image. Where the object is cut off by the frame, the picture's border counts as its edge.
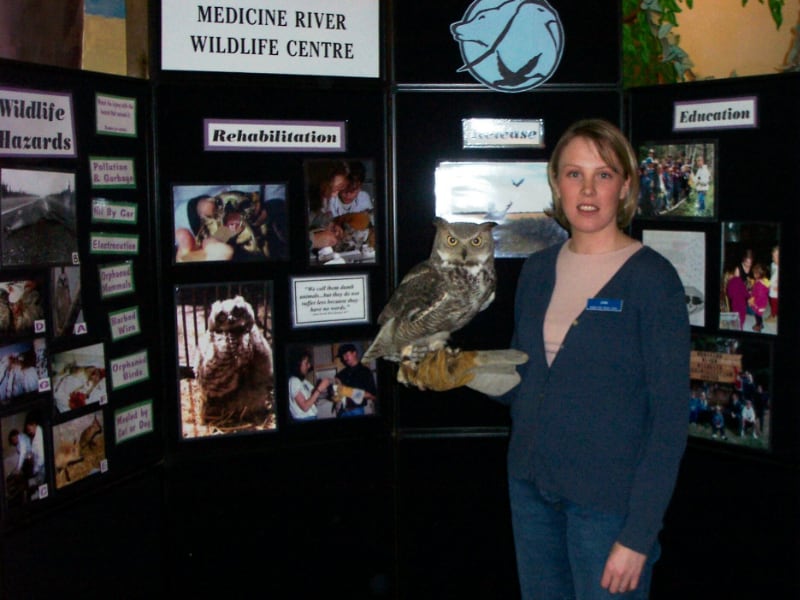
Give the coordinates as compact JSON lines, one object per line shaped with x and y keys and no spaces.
{"x":78,"y":338}
{"x":430,"y":131}
{"x":425,"y":51}
{"x":755,"y":213}
{"x":189,"y":161}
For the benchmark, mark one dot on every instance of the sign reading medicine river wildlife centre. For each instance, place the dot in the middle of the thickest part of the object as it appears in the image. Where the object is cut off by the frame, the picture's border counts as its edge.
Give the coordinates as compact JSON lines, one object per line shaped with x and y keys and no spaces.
{"x":287,"y":37}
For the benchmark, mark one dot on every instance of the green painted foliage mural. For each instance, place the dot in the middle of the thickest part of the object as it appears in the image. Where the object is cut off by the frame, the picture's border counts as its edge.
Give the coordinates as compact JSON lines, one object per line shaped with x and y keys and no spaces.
{"x":651,"y":51}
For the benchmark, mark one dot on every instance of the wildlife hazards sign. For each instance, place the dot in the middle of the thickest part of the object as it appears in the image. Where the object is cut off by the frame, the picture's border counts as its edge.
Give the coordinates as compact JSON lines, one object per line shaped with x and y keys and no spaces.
{"x":36,"y":123}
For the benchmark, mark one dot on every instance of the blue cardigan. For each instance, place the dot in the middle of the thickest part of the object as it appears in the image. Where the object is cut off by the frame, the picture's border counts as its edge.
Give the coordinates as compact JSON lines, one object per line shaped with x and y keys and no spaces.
{"x":605,"y":425}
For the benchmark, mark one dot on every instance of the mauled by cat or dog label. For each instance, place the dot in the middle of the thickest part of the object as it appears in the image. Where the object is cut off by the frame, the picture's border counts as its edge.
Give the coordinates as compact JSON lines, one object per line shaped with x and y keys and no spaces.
{"x":604,"y":304}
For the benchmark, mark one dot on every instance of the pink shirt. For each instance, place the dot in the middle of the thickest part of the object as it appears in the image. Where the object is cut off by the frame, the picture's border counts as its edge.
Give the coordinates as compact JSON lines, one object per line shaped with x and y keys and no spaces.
{"x":578,"y":278}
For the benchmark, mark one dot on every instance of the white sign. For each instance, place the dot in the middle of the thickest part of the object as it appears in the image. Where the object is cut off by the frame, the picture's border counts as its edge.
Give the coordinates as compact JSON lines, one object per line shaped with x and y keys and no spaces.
{"x":116,"y":280}
{"x":116,"y":115}
{"x":124,"y":323}
{"x":274,"y":136}
{"x":503,"y":133}
{"x":339,"y":300}
{"x":133,"y":421}
{"x":114,"y":243}
{"x":730,"y":113}
{"x":130,"y":369}
{"x":107,"y":211}
{"x":289,"y":37}
{"x":112,"y":172}
{"x":36,"y":123}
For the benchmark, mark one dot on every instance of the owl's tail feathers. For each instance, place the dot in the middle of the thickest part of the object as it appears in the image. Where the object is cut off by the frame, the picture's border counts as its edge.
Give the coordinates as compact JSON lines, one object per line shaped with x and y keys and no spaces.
{"x":491,"y":372}
{"x":382,"y":344}
{"x":496,"y":371}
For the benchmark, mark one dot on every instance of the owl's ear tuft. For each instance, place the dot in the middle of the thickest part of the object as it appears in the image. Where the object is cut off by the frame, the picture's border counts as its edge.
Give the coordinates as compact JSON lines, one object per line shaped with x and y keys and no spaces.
{"x":487,"y":225}
{"x":440,"y":222}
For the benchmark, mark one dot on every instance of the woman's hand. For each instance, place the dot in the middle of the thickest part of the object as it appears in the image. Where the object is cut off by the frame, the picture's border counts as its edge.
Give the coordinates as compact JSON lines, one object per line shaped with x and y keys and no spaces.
{"x":623,"y":569}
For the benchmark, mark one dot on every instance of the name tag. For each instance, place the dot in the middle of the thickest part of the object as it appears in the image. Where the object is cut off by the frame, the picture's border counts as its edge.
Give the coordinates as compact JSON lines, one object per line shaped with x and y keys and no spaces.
{"x":604,"y":304}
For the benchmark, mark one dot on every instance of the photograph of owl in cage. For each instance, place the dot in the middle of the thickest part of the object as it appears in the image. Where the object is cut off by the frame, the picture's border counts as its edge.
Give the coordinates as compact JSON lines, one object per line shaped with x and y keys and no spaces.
{"x":230,"y":222}
{"x":225,"y":358}
{"x":341,"y":211}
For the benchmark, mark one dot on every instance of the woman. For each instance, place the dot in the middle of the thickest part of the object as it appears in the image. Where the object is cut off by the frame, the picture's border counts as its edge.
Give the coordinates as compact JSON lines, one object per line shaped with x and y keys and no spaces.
{"x":599,"y":418}
{"x":303,"y":395}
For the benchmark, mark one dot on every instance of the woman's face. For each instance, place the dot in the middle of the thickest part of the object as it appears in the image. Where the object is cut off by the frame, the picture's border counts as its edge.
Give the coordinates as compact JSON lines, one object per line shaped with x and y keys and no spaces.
{"x":305,"y":365}
{"x":338,"y":183}
{"x":590,"y":190}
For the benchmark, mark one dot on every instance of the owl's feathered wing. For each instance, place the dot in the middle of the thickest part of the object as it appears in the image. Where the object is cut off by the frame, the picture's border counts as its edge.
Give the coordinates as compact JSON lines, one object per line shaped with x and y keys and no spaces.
{"x":428,"y":305}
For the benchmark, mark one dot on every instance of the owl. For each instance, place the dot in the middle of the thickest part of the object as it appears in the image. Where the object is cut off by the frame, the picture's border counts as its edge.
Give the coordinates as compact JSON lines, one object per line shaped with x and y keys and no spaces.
{"x":439,"y":295}
{"x":234,"y":365}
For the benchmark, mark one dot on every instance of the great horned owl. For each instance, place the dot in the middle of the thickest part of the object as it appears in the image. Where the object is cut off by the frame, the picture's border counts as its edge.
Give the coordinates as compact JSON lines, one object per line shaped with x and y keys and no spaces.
{"x":234,"y":365}
{"x":439,"y":295}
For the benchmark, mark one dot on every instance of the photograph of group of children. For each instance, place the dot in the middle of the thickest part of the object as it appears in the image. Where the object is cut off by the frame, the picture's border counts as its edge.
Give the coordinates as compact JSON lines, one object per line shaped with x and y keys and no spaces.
{"x":731,"y":376}
{"x":751,"y":258}
{"x":677,"y":180}
{"x":730,"y":391}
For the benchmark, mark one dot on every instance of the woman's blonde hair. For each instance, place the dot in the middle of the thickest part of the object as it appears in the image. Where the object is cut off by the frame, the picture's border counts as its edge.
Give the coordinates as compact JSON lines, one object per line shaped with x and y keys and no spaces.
{"x":615,"y":150}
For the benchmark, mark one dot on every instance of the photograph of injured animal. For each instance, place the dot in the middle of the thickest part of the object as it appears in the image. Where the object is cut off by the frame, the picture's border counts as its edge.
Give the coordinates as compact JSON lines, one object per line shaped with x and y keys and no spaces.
{"x":79,"y":377}
{"x":225,"y":365}
{"x":79,"y":448}
{"x":230,"y":222}
{"x":22,"y":308}
{"x":37,"y":217}
{"x":341,"y":211}
{"x":23,"y":366}
{"x":513,"y":194}
{"x":66,"y":305}
{"x":24,"y":460}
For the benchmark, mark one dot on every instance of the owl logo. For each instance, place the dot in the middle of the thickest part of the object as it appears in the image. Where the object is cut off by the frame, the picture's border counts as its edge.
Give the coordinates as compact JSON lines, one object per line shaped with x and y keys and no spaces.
{"x":510,"y":45}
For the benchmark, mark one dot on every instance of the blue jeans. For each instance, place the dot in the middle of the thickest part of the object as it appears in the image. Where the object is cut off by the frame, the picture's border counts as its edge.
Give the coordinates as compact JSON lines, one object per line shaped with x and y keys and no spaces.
{"x":562,"y":548}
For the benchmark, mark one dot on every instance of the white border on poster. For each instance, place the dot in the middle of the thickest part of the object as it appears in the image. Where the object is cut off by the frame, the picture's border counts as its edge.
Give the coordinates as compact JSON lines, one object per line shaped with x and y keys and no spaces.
{"x":728,"y":113}
{"x":287,"y":37}
{"x":273,"y":136}
{"x":36,"y":123}
{"x":330,"y":300}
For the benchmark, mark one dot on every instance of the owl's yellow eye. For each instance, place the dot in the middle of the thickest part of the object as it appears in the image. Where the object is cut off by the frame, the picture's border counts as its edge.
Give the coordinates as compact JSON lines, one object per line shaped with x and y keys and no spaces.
{"x":451,"y":241}
{"x":477,"y":242}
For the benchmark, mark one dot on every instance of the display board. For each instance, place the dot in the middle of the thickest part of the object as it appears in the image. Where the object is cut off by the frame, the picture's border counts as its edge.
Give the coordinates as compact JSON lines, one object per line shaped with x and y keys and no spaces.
{"x":428,"y":43}
{"x":79,"y":358}
{"x":274,"y":231}
{"x":716,"y":164}
{"x":514,"y":192}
